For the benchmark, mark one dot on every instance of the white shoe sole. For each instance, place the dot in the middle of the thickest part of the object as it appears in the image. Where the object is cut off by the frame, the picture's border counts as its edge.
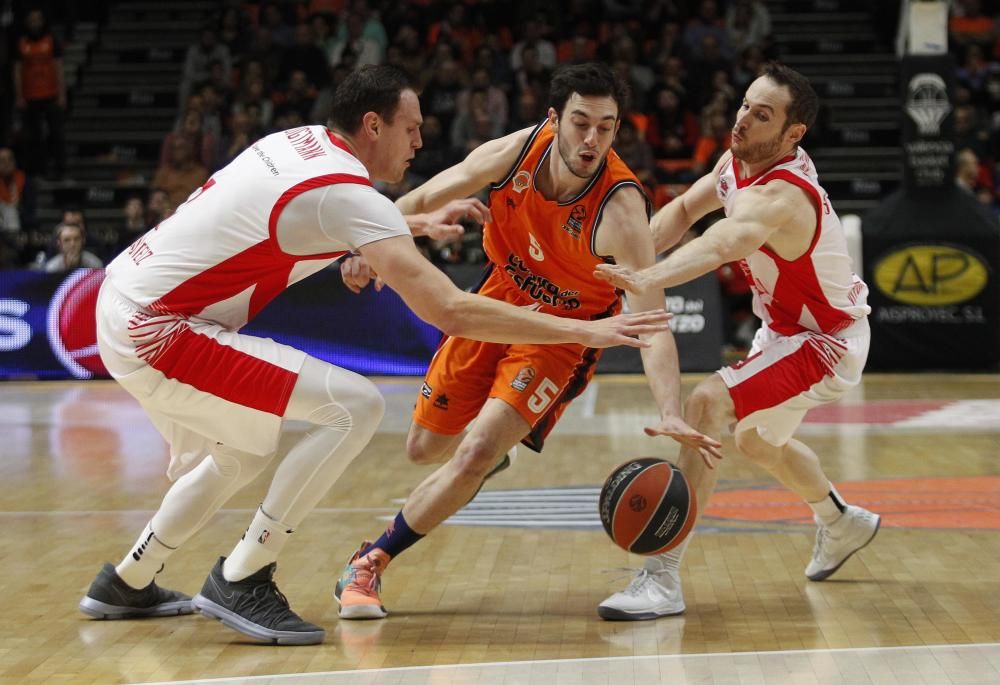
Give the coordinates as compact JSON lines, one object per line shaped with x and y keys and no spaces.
{"x":361,"y":612}
{"x":826,"y":573}
{"x":612,"y":614}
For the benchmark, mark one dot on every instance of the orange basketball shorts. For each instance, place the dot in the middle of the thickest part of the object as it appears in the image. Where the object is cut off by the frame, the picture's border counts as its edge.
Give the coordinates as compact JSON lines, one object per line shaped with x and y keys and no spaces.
{"x":539,"y":381}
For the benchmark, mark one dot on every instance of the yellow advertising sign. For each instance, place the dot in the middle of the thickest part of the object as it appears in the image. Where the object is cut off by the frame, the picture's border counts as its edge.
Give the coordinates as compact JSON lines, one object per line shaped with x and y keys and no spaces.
{"x":931,"y":275}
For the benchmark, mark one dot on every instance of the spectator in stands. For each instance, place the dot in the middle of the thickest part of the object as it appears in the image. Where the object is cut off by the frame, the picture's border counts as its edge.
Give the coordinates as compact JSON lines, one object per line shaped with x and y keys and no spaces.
{"x":40,"y":95}
{"x":353,"y":44}
{"x":534,"y":32}
{"x":274,"y":22}
{"x":673,"y":129}
{"x":457,"y":29}
{"x":475,"y":123}
{"x":159,"y":208}
{"x":706,"y":23}
{"x":970,"y":24}
{"x":134,"y":224}
{"x":702,"y":70}
{"x":266,"y":55}
{"x":305,"y":56}
{"x":255,"y":104}
{"x":181,"y":173}
{"x":974,"y":72}
{"x":973,"y":177}
{"x":440,"y":96}
{"x":199,"y":58}
{"x":969,"y":132}
{"x":533,"y":74}
{"x":528,"y":111}
{"x":234,"y":30}
{"x":17,"y":198}
{"x":204,"y":144}
{"x":748,"y":67}
{"x":436,"y":154}
{"x":747,"y":23}
{"x":412,"y":58}
{"x":70,"y":239}
{"x":296,"y":101}
{"x":712,"y":143}
{"x":236,"y":139}
{"x":323,"y":38}
{"x":501,"y":75}
{"x":496,"y":99}
{"x":372,"y":28}
{"x":635,"y":152}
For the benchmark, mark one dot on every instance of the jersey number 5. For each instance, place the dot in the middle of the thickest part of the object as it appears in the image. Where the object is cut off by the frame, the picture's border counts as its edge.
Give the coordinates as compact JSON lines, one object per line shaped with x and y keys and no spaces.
{"x":543,"y":396}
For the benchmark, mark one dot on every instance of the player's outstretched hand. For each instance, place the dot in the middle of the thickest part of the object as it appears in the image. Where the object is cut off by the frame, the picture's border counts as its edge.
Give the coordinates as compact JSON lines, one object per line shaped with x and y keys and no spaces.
{"x":674,"y":427}
{"x":356,"y":274}
{"x":623,"y":277}
{"x":621,"y":329}
{"x":442,"y":224}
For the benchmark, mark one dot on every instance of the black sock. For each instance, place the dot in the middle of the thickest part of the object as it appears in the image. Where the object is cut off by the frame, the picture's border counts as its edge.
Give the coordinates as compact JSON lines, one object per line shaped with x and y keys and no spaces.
{"x":398,"y":537}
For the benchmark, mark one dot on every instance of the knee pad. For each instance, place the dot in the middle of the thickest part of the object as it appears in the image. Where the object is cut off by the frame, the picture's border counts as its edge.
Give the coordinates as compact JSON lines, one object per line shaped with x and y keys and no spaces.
{"x":326,"y":395}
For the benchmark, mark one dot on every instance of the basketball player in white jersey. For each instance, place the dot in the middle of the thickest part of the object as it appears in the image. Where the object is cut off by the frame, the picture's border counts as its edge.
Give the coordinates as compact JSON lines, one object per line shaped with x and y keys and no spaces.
{"x":170,"y":310}
{"x":813,"y":341}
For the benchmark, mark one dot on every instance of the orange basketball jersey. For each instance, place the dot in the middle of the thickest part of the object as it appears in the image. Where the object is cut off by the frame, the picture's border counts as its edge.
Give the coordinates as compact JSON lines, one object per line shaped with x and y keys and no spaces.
{"x":543,"y":252}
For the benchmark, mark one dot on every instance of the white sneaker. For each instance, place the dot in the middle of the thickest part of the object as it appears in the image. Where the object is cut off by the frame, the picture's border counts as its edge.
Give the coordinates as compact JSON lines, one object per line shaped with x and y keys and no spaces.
{"x":835,"y":543}
{"x":651,"y":594}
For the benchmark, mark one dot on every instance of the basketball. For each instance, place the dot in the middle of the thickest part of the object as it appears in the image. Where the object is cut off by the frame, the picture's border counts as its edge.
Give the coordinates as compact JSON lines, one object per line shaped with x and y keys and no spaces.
{"x":646,"y":506}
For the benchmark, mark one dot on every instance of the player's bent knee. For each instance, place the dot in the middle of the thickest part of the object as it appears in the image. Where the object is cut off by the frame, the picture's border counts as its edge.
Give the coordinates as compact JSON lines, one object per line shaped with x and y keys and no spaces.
{"x":756,"y":449}
{"x":475,"y":456}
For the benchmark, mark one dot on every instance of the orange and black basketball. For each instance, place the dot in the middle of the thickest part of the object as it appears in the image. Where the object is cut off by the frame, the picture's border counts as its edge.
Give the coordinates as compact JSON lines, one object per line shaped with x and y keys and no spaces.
{"x":646,"y":506}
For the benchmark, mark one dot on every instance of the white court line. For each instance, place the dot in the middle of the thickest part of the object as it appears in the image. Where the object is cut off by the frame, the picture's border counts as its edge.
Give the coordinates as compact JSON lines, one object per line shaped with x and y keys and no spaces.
{"x":146,"y":512}
{"x":724,"y":666}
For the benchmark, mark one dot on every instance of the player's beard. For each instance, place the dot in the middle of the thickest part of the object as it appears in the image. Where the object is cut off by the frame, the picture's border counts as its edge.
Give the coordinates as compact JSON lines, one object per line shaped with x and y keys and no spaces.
{"x":570,"y":160}
{"x":752,"y":153}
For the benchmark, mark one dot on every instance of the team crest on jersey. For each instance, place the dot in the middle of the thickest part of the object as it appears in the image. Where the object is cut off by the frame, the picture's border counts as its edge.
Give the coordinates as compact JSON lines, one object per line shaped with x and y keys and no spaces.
{"x":574,"y":224}
{"x":723,"y":187}
{"x":523,"y":379}
{"x":522,"y":179}
{"x":426,"y":390}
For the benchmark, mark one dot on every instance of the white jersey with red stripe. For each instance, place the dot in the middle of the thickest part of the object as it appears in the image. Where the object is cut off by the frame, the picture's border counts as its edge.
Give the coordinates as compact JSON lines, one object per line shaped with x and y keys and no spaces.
{"x":818,"y":291}
{"x":283,"y":209}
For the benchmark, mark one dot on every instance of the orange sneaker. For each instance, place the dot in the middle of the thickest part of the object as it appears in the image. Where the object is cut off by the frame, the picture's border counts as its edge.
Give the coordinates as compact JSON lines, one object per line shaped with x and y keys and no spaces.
{"x":357,"y":589}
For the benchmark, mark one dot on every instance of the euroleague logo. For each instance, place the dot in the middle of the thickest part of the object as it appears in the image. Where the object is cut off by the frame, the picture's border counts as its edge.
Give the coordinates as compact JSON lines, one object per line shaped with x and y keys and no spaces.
{"x":72,"y":323}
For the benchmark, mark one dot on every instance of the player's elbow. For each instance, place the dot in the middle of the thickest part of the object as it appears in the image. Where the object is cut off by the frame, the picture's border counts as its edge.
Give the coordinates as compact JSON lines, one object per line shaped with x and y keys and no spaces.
{"x":445,"y":314}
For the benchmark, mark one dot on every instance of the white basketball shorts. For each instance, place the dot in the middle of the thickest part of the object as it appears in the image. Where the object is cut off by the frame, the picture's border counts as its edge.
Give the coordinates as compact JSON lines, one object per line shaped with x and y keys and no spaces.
{"x":783,"y":377}
{"x":200,"y":383}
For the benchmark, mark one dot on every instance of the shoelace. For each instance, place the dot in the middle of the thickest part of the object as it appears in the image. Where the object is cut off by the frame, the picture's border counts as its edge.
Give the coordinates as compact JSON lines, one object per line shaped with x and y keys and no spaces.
{"x":822,"y":535}
{"x":268,"y":595}
{"x":369,"y":586}
{"x":639,"y":578}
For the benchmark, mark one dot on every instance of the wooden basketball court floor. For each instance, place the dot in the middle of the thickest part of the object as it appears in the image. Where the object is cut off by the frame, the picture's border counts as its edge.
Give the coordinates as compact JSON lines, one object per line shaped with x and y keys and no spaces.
{"x":506,"y":592}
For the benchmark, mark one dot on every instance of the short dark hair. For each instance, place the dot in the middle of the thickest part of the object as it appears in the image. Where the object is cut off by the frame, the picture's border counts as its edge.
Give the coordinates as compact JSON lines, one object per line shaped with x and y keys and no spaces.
{"x":591,"y":78}
{"x":371,"y":88}
{"x":804,"y":105}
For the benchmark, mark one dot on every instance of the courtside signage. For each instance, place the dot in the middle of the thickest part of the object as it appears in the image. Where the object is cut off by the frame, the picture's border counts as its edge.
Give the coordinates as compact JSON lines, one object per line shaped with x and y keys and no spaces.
{"x":932,"y":275}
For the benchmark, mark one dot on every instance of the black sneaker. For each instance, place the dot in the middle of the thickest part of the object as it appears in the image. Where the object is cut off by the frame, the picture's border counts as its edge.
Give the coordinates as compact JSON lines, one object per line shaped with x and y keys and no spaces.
{"x":255,"y":606}
{"x":111,"y":597}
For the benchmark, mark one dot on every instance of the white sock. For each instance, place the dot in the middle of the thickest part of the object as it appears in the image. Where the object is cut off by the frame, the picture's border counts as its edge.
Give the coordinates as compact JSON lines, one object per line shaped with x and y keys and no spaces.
{"x":668,"y":561}
{"x":829,"y":509}
{"x":260,"y":545}
{"x":145,"y":559}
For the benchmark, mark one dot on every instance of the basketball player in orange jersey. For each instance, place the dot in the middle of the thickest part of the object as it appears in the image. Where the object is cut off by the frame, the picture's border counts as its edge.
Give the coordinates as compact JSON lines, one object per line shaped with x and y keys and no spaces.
{"x":813,"y":341}
{"x":561,"y":202}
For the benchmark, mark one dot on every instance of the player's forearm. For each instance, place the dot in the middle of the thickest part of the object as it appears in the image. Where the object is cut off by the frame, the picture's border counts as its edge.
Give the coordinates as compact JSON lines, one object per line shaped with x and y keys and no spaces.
{"x":481,"y":318}
{"x":686,"y":264}
{"x":669,"y":225}
{"x":662,"y":367}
